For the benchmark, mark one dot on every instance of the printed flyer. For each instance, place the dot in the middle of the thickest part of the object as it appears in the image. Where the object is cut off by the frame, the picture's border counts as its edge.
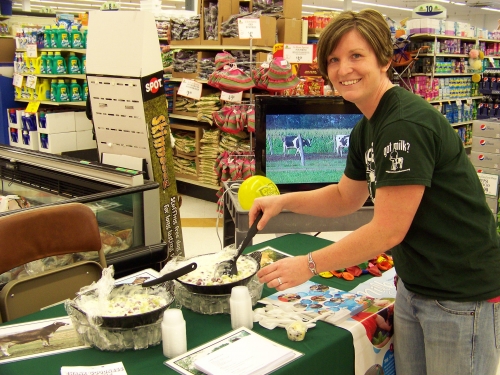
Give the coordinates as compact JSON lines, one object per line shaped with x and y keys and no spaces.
{"x":317,"y":299}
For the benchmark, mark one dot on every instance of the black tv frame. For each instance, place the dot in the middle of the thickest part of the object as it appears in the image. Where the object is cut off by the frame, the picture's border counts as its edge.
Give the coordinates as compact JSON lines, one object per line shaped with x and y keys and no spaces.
{"x":271,"y":104}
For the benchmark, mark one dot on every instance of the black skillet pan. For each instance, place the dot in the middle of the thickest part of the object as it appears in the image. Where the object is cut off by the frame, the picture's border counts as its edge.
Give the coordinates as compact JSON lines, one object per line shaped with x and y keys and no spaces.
{"x":130,"y":321}
{"x":219,"y":289}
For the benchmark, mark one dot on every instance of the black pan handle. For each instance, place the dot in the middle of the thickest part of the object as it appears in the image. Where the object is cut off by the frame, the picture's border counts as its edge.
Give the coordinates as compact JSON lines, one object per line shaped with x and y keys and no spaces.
{"x":251,"y":234}
{"x":171,"y":275}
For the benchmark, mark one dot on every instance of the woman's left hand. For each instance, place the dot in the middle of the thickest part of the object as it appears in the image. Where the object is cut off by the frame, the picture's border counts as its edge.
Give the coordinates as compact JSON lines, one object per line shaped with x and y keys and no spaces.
{"x":285,"y":273}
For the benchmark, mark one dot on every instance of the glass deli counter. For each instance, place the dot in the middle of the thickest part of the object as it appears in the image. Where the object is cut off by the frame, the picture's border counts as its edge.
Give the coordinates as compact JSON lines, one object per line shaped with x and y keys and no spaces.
{"x":126,"y":206}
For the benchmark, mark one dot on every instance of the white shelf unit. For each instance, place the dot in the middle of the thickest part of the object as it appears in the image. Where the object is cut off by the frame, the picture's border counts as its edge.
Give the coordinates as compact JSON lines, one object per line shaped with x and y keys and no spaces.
{"x":79,"y":77}
{"x":436,"y":54}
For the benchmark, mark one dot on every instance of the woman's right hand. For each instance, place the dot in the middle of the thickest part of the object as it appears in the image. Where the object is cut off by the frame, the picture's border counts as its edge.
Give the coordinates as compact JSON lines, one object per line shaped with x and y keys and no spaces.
{"x":270,"y":206}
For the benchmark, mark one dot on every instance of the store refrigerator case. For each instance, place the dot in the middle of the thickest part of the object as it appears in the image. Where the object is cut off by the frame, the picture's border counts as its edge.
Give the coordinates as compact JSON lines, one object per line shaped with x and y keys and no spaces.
{"x":126,"y":205}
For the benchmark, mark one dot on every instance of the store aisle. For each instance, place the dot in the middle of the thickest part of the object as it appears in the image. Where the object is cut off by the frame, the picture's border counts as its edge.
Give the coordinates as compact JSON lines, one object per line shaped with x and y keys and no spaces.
{"x":202,"y":232}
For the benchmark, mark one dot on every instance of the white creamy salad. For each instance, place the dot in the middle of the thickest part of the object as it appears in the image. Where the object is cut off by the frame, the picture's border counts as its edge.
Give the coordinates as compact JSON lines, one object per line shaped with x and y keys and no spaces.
{"x":206,"y":265}
{"x":133,"y":305}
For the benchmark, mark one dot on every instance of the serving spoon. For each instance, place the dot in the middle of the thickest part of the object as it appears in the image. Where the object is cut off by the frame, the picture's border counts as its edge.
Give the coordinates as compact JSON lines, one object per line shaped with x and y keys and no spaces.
{"x":228,"y":267}
{"x":171,"y":275}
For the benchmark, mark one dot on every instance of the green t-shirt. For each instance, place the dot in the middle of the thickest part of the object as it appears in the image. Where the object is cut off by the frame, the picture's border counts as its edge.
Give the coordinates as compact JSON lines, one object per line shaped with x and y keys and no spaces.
{"x":451,"y":250}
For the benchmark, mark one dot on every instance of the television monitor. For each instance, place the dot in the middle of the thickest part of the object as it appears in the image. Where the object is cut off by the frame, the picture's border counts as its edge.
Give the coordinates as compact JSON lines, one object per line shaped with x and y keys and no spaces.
{"x":301,"y":142}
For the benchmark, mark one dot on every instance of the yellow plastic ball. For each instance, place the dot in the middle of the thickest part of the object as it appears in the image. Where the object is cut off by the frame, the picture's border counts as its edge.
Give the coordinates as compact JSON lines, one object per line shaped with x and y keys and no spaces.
{"x":481,"y":55}
{"x":477,"y":65}
{"x":476,"y":78}
{"x":255,"y":187}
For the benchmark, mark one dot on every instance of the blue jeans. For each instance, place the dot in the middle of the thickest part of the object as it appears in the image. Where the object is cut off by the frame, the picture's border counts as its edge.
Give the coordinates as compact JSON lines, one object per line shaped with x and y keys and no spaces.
{"x":434,"y":337}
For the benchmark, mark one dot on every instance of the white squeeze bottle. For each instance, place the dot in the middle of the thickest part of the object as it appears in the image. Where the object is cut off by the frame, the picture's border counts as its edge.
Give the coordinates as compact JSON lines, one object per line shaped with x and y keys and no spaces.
{"x":240,"y":304}
{"x":173,"y":333}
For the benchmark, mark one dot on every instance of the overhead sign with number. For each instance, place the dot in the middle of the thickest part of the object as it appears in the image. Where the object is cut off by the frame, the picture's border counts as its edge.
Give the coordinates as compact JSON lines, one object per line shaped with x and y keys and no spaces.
{"x":298,"y":53}
{"x":249,"y":28}
{"x":429,"y":10}
{"x":190,"y":89}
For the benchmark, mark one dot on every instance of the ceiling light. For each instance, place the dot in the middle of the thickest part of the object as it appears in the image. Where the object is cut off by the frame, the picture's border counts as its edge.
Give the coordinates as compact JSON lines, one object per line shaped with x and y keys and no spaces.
{"x":322,"y":8}
{"x":381,"y":6}
{"x":491,"y":9}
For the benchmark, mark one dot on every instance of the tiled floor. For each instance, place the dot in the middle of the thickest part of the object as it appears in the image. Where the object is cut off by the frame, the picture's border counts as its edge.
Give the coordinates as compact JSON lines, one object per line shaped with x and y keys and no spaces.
{"x":199,"y":223}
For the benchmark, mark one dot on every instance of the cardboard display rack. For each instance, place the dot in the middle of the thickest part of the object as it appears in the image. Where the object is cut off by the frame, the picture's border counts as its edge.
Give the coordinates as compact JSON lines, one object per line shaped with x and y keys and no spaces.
{"x":119,"y":119}
{"x":129,"y":109}
{"x":200,"y":55}
{"x":136,"y":30}
{"x":203,"y":41}
{"x":205,"y":91}
{"x":184,"y":42}
{"x":197,"y":133}
{"x":185,"y":75}
{"x":292,"y":9}
{"x":189,"y":176}
{"x":289,"y":31}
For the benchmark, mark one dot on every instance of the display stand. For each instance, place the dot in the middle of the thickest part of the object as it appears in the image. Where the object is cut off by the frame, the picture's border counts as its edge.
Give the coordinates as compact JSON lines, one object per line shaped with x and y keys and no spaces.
{"x":236,"y":220}
{"x":125,"y":80}
{"x":6,"y":101}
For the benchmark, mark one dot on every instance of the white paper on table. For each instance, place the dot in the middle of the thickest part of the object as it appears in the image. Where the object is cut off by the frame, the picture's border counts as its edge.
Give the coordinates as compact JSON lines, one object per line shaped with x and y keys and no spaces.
{"x":248,"y":356}
{"x":111,"y":368}
{"x":185,"y":363}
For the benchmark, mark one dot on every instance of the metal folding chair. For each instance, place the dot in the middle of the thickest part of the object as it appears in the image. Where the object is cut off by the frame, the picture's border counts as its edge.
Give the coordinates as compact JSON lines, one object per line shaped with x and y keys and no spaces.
{"x":38,"y":233}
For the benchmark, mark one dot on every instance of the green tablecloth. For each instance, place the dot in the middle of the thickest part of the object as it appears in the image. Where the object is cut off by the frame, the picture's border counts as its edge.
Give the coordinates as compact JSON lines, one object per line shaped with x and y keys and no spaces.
{"x":327,"y":349}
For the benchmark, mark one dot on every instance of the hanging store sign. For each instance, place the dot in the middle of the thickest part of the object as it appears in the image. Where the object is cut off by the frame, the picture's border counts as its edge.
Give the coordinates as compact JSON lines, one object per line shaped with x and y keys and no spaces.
{"x":298,"y":53}
{"x":190,"y":89}
{"x":249,"y":28}
{"x":429,"y":10}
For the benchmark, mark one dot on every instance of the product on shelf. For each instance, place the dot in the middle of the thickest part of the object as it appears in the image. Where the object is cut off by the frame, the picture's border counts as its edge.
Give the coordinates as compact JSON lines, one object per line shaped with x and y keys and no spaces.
{"x":76,"y":37}
{"x":74,"y":64}
{"x":59,"y":64}
{"x":75,"y":91}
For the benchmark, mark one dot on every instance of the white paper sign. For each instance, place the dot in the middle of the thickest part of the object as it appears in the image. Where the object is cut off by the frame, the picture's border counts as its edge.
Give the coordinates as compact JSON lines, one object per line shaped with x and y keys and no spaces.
{"x":190,"y":89}
{"x":249,"y":28}
{"x":231,"y":96}
{"x":490,"y":183}
{"x":31,"y":50}
{"x":31,"y":82}
{"x":112,"y":368}
{"x":17,"y":80}
{"x":298,"y":53}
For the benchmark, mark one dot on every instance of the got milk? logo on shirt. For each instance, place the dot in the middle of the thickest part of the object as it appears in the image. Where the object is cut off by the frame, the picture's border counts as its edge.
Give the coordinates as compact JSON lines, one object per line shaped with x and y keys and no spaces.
{"x":393,"y":151}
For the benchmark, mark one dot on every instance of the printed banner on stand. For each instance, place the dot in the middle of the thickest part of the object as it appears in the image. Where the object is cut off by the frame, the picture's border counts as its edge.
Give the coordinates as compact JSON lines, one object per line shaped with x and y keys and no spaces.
{"x":372,"y":329}
{"x":160,"y":147}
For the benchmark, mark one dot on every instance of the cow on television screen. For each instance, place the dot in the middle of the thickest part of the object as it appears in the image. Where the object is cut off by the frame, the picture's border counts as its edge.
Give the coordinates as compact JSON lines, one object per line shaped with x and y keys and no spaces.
{"x":295,"y":142}
{"x":341,"y":144}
